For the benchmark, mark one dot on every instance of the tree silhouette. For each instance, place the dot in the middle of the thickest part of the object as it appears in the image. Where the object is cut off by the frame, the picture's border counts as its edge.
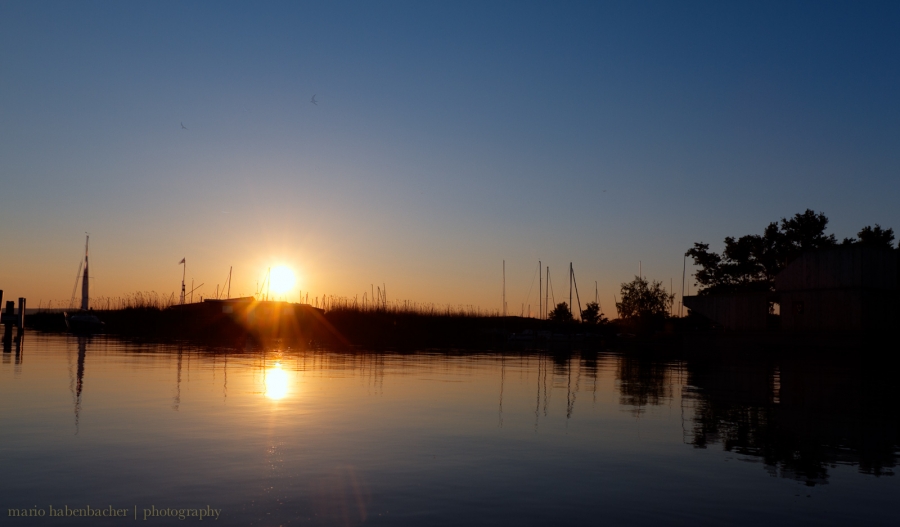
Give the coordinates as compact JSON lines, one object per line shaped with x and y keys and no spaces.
{"x":644,"y":299}
{"x":750,"y":263}
{"x":591,"y":313}
{"x":561,"y":313}
{"x":873,"y":237}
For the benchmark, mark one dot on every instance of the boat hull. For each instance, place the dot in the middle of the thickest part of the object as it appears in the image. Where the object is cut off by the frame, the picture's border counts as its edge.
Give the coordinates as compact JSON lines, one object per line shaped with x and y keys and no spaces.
{"x":83,"y":323}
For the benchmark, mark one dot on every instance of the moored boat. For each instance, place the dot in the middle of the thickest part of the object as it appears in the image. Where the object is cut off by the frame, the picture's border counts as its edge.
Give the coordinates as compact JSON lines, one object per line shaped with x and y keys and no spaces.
{"x":83,"y":320}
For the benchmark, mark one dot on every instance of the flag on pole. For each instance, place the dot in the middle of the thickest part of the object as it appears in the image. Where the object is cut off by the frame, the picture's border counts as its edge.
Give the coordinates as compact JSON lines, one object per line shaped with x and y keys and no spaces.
{"x":181,"y":262}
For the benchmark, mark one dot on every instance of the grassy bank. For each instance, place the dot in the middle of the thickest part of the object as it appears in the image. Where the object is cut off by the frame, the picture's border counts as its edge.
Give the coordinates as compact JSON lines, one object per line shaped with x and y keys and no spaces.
{"x":385,"y":327}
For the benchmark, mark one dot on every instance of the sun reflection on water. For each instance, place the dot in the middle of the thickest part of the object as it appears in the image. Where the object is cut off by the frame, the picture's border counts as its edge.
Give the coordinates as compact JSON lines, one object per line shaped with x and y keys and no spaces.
{"x":276,"y":382}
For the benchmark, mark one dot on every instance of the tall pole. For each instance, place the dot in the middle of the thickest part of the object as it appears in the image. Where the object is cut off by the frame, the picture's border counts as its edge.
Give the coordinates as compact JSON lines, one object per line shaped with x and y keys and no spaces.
{"x":85,"y":286}
{"x":540,"y":289}
{"x":183,"y":274}
{"x":504,"y":288}
{"x":570,"y":287}
{"x":229,"y":280}
{"x":683,"y":273}
{"x":547,"y":294}
{"x":577,"y":297}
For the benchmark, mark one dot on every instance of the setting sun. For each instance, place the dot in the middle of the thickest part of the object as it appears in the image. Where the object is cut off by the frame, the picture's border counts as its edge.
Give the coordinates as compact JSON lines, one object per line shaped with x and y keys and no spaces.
{"x":282,"y":279}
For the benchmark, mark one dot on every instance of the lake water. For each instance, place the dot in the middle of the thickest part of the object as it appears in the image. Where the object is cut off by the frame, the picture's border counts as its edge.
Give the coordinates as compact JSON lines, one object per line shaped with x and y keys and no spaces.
{"x":288,"y":437}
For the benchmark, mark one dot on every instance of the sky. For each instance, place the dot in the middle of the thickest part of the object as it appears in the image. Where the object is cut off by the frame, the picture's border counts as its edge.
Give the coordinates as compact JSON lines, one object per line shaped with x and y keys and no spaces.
{"x":447,"y":138}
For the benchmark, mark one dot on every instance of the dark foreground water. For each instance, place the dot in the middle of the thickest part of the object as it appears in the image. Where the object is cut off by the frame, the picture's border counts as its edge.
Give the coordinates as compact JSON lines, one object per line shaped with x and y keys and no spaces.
{"x":285,"y":437}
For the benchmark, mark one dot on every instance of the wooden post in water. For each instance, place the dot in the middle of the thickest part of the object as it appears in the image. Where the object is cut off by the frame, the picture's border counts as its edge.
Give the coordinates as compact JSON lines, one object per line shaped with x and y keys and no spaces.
{"x":21,"y":320}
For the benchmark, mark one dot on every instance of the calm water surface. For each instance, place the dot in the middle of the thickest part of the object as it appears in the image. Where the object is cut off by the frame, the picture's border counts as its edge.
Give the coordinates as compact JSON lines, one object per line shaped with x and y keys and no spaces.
{"x":288,"y":437}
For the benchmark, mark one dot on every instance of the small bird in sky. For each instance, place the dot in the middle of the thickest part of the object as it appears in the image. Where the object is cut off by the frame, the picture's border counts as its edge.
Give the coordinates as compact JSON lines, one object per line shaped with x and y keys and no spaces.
{"x":313,"y":100}
{"x":183,"y":127}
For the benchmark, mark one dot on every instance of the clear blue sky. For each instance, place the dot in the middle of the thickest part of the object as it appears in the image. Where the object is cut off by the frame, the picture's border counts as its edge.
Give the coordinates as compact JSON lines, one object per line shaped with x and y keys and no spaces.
{"x":447,"y":137}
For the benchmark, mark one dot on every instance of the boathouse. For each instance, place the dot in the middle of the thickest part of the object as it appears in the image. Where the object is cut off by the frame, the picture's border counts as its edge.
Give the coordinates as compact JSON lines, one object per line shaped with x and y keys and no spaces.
{"x":845,"y":288}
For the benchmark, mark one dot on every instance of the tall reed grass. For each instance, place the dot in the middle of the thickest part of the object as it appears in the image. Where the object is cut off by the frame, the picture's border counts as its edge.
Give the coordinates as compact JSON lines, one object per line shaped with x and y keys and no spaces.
{"x":136,"y":300}
{"x":402,"y":307}
{"x":154,"y":300}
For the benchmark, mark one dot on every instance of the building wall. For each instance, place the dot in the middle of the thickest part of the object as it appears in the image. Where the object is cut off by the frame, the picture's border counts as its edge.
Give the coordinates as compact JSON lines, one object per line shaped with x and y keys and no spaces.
{"x":842,"y":289}
{"x":843,"y":267}
{"x":849,"y":309}
{"x":736,"y":312}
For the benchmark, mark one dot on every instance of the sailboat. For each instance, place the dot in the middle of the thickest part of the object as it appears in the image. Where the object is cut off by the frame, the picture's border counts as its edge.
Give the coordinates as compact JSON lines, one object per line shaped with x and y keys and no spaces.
{"x":83,"y":320}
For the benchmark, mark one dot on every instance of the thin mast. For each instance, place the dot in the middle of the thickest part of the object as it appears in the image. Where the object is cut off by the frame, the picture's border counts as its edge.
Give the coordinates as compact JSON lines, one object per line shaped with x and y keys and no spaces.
{"x":540,"y":289}
{"x":183,"y":273}
{"x":504,"y":288}
{"x":547,"y":294}
{"x":229,"y":280}
{"x":683,"y":272}
{"x":577,"y":297}
{"x":85,"y":285}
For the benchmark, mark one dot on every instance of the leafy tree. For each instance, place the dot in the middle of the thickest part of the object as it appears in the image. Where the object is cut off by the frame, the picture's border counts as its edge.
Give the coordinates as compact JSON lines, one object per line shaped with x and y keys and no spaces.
{"x":751,"y":262}
{"x":644,"y":299}
{"x":592,"y":314}
{"x":561,"y":313}
{"x":873,"y":237}
{"x":806,"y":231}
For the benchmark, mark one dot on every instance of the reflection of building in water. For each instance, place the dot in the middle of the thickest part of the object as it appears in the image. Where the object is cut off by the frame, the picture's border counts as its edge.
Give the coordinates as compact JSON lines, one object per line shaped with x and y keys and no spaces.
{"x":800,"y":419}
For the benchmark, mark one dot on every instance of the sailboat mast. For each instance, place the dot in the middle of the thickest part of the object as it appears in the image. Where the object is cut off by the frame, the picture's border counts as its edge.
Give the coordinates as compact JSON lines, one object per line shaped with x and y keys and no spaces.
{"x":504,"y":288}
{"x":85,"y":282}
{"x":547,"y":294}
{"x":183,"y":274}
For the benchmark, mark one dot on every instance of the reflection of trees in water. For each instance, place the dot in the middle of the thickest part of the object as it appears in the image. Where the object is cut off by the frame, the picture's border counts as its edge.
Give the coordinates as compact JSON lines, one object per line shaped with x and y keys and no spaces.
{"x":643,"y":382}
{"x":800,"y":416}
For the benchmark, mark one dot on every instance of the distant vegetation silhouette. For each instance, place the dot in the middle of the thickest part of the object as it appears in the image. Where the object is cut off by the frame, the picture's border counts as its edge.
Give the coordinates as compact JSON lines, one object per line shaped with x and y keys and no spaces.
{"x":645,"y":305}
{"x":750,"y":263}
{"x":561,"y":313}
{"x":641,"y":298}
{"x":592,"y":315}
